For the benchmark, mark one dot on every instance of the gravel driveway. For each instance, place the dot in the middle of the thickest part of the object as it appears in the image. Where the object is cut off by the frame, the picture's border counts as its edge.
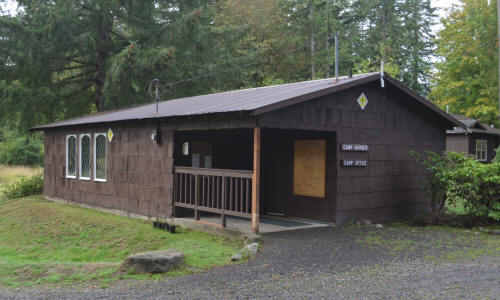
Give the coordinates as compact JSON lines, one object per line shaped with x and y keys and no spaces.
{"x":353,"y":262}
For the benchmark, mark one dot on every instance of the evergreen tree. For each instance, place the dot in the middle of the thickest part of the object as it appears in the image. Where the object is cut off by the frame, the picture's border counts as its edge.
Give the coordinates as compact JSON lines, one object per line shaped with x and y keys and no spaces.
{"x":60,"y":59}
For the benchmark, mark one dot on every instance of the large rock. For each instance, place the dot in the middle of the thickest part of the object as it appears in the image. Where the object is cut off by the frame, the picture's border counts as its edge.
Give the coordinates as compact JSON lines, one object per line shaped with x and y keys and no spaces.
{"x":153,"y":262}
{"x":237,"y":257}
{"x":251,"y":248}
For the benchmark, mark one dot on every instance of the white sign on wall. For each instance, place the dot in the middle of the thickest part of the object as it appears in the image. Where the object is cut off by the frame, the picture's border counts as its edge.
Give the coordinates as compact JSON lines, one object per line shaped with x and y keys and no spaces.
{"x":354,"y":147}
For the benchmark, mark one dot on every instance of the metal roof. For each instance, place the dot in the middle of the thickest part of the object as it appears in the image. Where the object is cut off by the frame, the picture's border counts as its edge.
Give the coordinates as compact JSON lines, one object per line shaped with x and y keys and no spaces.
{"x":472,"y":126}
{"x":254,"y":100}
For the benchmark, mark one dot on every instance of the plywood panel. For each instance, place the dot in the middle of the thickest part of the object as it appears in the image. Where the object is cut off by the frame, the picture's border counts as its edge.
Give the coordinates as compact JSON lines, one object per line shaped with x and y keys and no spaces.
{"x":309,"y":168}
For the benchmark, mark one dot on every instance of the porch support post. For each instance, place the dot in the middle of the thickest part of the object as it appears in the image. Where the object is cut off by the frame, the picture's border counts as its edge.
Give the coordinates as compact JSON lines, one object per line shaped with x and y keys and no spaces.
{"x":256,"y":180}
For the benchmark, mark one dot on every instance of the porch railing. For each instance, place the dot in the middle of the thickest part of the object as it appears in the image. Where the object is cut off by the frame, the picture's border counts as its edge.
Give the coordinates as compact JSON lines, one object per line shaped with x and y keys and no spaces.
{"x":225,"y":192}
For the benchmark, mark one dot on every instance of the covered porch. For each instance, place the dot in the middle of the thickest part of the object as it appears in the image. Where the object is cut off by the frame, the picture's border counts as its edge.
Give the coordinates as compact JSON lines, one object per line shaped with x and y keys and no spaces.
{"x":222,"y":178}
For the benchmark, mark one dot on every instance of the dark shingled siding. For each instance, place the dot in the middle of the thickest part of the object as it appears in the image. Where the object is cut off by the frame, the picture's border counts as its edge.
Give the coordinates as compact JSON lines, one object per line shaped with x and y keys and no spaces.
{"x":139,"y":172}
{"x":140,"y":175}
{"x":391,"y":186}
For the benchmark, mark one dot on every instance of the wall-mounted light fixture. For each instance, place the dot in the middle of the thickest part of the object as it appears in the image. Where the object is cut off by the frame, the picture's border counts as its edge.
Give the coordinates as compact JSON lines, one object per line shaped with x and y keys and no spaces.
{"x":156,"y":135}
{"x":185,"y":148}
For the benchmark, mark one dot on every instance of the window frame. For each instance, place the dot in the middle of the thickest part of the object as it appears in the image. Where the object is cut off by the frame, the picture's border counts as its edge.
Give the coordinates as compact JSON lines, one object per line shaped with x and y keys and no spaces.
{"x":105,"y":157}
{"x":81,"y":156}
{"x":67,"y":157}
{"x":485,"y":150}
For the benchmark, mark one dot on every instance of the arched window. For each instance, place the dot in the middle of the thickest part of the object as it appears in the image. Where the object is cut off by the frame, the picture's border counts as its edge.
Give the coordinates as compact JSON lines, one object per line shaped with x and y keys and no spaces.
{"x":71,"y":156}
{"x":100,"y":157}
{"x":85,"y":156}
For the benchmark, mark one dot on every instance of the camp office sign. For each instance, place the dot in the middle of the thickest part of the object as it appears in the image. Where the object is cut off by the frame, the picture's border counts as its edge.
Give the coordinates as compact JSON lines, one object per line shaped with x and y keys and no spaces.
{"x":354,"y":148}
{"x":354,"y":163}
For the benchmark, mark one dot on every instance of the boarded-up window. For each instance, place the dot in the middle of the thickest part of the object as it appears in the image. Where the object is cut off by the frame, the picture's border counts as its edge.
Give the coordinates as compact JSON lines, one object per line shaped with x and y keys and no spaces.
{"x":100,"y":157}
{"x":71,"y":156}
{"x":85,"y":156}
{"x":309,"y":168}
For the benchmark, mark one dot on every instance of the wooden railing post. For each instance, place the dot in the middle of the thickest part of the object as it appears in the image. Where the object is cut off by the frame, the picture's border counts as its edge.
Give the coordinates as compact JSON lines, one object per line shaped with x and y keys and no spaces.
{"x":256,"y":180}
{"x":223,"y":202}
{"x":232,"y":202}
{"x":196,"y":198}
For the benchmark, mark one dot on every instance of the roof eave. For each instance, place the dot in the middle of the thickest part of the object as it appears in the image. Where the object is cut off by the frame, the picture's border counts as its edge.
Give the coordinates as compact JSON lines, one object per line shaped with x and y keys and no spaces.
{"x":452,"y":121}
{"x":148,"y":118}
{"x":302,"y":98}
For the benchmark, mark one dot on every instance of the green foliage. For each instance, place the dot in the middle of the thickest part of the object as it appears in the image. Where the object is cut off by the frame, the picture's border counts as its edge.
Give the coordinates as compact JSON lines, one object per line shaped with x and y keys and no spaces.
{"x":21,"y":151}
{"x":496,"y":159}
{"x":24,"y":187}
{"x":456,"y":179}
{"x":60,"y":59}
{"x":437,"y":167}
{"x":475,"y":185}
{"x":467,"y":77}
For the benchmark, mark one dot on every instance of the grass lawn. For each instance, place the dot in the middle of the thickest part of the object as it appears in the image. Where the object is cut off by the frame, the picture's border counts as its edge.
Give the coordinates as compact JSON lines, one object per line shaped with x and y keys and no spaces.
{"x":43,"y":242}
{"x":9,"y":174}
{"x":432,"y":242}
{"x":457,"y":208}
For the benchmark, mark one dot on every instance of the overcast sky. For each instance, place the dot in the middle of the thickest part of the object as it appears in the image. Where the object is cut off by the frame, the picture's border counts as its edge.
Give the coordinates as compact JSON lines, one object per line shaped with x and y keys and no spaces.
{"x":8,"y":6}
{"x":441,"y":5}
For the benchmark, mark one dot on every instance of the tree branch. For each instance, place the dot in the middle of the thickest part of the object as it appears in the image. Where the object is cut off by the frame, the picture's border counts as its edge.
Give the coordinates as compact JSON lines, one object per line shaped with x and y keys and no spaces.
{"x":67,"y":79}
{"x":78,"y":91}
{"x":67,"y":68}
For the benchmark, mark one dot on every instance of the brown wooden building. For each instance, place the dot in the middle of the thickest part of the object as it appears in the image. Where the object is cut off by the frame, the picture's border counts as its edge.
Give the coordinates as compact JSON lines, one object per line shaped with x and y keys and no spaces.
{"x":476,"y":139}
{"x":319,"y":150}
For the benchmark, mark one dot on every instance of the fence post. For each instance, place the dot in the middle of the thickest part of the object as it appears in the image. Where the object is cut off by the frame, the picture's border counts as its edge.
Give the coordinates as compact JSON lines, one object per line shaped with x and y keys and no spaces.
{"x":223,"y":202}
{"x":196,"y":198}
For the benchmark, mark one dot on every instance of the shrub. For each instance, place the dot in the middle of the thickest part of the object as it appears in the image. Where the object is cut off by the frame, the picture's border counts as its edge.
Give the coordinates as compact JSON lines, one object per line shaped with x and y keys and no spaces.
{"x":17,"y":151}
{"x":24,"y":187}
{"x":454,"y":178}
{"x":496,"y":159}
{"x":476,"y":186}
{"x":437,"y":166}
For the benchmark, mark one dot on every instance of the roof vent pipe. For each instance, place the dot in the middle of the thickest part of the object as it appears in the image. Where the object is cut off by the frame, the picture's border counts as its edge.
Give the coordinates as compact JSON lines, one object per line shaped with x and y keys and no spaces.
{"x":156,"y":82}
{"x":382,"y":73}
{"x":336,"y":58}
